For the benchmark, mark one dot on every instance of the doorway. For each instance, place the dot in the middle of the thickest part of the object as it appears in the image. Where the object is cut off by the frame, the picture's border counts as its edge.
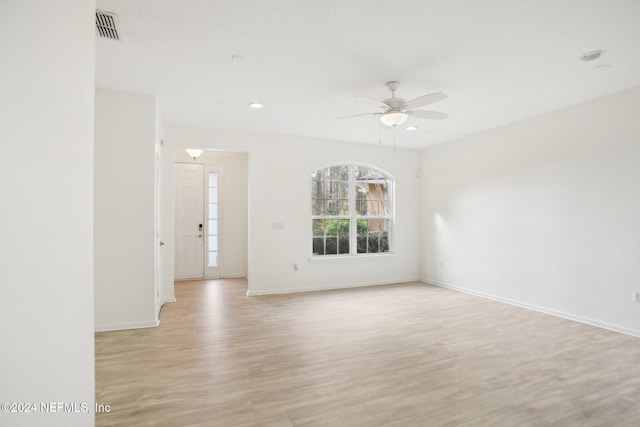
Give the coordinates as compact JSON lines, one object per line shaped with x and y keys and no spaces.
{"x":211,"y":191}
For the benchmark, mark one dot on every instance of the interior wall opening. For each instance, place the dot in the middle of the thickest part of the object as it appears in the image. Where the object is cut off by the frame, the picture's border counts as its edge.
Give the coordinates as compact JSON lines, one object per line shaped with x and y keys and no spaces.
{"x":210,"y":215}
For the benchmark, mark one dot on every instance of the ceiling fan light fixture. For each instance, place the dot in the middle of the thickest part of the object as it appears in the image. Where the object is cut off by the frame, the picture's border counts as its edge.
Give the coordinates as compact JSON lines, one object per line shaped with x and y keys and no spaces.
{"x":194,"y":152}
{"x":394,"y":118}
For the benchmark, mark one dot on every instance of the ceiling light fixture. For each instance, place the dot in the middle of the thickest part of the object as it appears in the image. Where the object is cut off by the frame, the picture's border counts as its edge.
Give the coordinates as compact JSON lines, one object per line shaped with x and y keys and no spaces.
{"x":394,"y":118}
{"x":592,"y":56}
{"x":412,"y":127}
{"x":194,"y":152}
{"x":256,"y":105}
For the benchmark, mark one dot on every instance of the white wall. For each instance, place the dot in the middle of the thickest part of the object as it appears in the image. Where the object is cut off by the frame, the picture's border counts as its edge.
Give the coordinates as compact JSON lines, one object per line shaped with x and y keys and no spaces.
{"x":544,"y":212}
{"x":234,"y":207}
{"x":46,"y":187}
{"x":279,"y":191}
{"x":125,"y":139}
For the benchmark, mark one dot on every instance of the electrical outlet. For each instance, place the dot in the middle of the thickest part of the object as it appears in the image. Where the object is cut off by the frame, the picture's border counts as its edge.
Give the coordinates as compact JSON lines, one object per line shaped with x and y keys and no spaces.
{"x":636,"y":297}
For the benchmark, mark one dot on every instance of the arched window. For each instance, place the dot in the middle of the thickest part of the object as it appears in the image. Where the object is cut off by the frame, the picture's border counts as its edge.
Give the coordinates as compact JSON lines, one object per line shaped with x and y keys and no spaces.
{"x":351,"y":210}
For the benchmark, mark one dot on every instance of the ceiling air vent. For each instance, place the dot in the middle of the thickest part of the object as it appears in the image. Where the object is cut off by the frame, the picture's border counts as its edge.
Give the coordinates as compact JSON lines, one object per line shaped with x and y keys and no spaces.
{"x":106,"y":24}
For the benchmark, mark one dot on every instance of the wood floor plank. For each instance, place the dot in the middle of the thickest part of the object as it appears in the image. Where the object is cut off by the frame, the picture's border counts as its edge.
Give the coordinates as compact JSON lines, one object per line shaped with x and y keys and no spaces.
{"x":398,"y":355}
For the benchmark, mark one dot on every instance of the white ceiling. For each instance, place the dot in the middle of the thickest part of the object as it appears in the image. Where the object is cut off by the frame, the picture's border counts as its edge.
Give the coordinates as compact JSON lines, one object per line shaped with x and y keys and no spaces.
{"x":499,"y":61}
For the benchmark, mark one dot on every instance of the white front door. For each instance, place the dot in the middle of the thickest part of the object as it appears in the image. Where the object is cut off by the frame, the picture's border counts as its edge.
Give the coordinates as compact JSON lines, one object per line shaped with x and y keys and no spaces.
{"x":188,"y":213}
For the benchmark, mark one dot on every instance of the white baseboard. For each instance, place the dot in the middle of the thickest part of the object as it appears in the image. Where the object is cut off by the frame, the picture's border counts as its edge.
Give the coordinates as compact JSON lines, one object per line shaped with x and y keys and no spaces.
{"x":235,"y":276}
{"x":170,"y":298}
{"x":126,"y":325}
{"x":546,"y":310}
{"x":251,"y":293}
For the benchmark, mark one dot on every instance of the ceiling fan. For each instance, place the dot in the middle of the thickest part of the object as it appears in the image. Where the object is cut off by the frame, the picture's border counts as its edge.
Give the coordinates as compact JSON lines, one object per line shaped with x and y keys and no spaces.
{"x":396,"y":111}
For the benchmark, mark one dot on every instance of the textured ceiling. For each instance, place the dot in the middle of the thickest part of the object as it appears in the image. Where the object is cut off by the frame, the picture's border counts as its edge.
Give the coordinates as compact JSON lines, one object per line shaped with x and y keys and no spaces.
{"x":499,"y":61}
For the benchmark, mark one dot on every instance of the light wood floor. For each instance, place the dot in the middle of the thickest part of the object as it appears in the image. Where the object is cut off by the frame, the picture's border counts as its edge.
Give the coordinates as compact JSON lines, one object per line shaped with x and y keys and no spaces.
{"x":402,"y":355}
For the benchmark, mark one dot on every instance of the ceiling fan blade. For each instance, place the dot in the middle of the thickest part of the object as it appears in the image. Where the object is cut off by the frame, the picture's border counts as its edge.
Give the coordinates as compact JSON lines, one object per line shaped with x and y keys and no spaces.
{"x":423,"y":114}
{"x":356,"y":115}
{"x":424,"y":100}
{"x":373,"y":100}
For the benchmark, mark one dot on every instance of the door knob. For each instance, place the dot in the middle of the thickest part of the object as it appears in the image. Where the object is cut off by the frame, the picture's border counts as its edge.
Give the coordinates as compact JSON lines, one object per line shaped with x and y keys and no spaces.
{"x":161,"y":243}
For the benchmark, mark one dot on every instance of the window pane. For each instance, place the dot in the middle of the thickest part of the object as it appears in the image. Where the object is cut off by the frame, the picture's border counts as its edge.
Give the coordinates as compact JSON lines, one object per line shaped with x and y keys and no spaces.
{"x":213,"y":195}
{"x":363,"y":227}
{"x":213,"y":179}
{"x":213,"y":226}
{"x":383,"y":207}
{"x":340,"y":172}
{"x":336,"y":227}
{"x":318,"y":207}
{"x":343,"y":190}
{"x":332,"y":207}
{"x":373,"y":243}
{"x":331,"y":246}
{"x":363,"y":173}
{"x":317,"y":191}
{"x":330,"y":236}
{"x":213,"y":259}
{"x":343,"y":227}
{"x":318,"y":227}
{"x":372,"y":191}
{"x":378,"y":225}
{"x":371,"y":197}
{"x":318,"y":245}
{"x":343,"y":245}
{"x":373,"y":236}
{"x":343,"y":207}
{"x":384,"y":242}
{"x":319,"y":188}
{"x":213,"y":243}
{"x":330,"y":191}
{"x":213,"y":211}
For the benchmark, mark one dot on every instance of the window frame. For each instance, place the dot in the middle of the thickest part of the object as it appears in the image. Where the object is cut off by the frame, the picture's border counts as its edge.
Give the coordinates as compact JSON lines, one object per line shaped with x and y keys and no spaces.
{"x":353,"y":215}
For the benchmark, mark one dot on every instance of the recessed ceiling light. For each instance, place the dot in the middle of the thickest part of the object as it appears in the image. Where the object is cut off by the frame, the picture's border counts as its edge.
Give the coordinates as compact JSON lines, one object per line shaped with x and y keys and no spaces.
{"x":592,"y":56}
{"x":412,"y":127}
{"x":256,"y":105}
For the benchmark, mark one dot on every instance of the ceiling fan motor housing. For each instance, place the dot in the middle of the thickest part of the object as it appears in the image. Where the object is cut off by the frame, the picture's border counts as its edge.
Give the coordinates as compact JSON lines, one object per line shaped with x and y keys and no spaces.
{"x":395,"y":104}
